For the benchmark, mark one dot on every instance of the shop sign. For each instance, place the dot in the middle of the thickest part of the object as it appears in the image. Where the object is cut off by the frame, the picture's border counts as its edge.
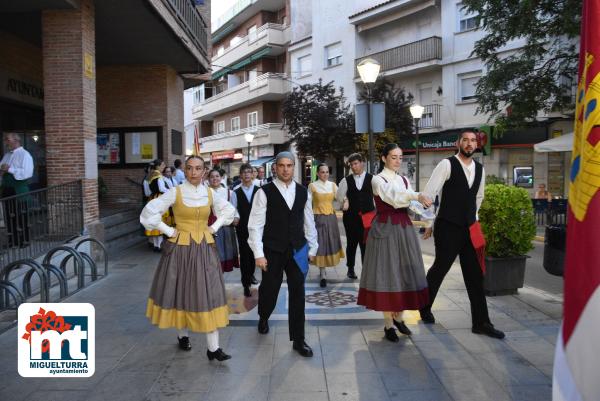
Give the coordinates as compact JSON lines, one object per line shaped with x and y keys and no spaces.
{"x":266,"y":151}
{"x":223,"y":155}
{"x":23,"y":90}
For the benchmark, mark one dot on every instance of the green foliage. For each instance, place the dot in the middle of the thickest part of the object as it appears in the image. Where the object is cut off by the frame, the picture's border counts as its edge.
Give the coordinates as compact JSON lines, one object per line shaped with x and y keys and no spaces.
{"x":538,"y":77}
{"x":319,"y":121}
{"x":507,"y":220}
{"x":494,"y":179}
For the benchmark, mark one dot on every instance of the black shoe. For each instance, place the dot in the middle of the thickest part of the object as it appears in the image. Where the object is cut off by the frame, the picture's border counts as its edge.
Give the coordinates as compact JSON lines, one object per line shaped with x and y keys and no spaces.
{"x":253,"y":280}
{"x":351,"y":273}
{"x":263,"y":326}
{"x":323,"y":283}
{"x":303,"y":349}
{"x":247,"y":292}
{"x":390,"y":335}
{"x":488,"y":330}
{"x":156,"y":249}
{"x":184,"y":343}
{"x":219,"y":355}
{"x":426,"y":316}
{"x":402,"y":327}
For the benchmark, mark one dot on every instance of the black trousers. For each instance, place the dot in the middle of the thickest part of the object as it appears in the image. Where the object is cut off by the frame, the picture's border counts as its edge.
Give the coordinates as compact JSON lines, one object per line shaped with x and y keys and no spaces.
{"x":277,"y":263}
{"x":452,"y":240}
{"x":247,"y":263}
{"x":16,"y":218}
{"x":354,"y":237}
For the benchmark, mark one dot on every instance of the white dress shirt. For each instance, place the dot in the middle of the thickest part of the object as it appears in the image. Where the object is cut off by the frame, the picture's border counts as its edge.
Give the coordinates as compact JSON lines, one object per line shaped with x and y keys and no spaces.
{"x":192,"y":196}
{"x":390,"y":187}
{"x":258,"y":217}
{"x":343,"y":188}
{"x":20,"y":163}
{"x":441,"y":174}
{"x":179,"y":176}
{"x":247,"y":191}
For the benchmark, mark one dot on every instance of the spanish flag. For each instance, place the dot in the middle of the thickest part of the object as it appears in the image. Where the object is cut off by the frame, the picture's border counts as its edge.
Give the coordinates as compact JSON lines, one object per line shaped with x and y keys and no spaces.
{"x":577,"y":357}
{"x":196,"y":150}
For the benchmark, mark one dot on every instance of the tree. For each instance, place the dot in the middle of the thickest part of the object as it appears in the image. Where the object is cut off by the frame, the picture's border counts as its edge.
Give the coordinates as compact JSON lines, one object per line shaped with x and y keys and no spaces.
{"x":398,"y":120}
{"x":538,"y":77}
{"x":319,"y":121}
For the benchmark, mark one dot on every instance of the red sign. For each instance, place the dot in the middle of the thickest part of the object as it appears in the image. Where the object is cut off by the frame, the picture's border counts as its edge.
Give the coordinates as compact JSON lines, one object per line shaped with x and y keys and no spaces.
{"x":225,"y":154}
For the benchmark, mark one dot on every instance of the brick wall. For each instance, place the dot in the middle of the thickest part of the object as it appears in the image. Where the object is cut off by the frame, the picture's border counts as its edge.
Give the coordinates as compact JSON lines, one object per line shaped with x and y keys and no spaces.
{"x":68,"y":36}
{"x":268,"y":112}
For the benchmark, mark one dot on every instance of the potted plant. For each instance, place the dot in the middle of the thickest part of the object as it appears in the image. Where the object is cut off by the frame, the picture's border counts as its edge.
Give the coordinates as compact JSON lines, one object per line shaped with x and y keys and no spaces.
{"x":508,"y":224}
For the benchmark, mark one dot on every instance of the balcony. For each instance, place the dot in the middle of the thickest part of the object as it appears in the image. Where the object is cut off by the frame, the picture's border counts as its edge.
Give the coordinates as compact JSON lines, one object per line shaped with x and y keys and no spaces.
{"x":416,"y":56}
{"x":264,"y":134}
{"x":431,"y":118}
{"x":274,"y":36}
{"x":191,"y":21}
{"x":266,"y":87}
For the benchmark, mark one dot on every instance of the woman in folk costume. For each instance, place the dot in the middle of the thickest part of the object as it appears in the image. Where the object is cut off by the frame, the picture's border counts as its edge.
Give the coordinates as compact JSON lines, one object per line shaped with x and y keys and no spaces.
{"x":225,"y":237}
{"x":330,"y":245}
{"x":188,"y":291}
{"x":157,"y":188}
{"x":393,"y":275}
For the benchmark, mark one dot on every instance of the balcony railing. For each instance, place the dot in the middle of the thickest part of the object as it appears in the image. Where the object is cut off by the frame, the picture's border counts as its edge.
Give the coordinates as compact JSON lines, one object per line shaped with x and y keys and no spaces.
{"x":258,"y":131}
{"x":409,"y":54}
{"x":231,"y":12}
{"x":260,"y":33}
{"x":431,"y":117}
{"x":261,"y":80}
{"x":191,"y":20}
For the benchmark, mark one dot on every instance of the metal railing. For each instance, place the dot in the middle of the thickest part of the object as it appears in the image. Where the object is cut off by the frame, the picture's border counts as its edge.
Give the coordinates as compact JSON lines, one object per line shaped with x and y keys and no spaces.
{"x":550,"y":212}
{"x":258,"y":130}
{"x":431,"y":117}
{"x":34,"y":222}
{"x":191,"y":20}
{"x":231,"y":12}
{"x":409,"y":54}
{"x":254,"y":83}
{"x":260,"y":33}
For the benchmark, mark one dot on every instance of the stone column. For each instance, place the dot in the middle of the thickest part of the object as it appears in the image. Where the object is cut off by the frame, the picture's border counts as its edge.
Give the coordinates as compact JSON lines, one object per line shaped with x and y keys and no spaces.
{"x":69,"y":52}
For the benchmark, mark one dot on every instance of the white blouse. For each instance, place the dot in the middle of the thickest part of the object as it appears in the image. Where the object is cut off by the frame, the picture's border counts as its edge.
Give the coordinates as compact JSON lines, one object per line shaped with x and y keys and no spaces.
{"x":192,"y":196}
{"x":393,"y":192}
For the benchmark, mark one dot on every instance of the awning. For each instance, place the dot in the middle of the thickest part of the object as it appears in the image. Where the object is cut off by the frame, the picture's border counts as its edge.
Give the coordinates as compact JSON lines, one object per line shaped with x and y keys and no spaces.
{"x":563,"y":143}
{"x":240,"y":64}
{"x":261,"y":161}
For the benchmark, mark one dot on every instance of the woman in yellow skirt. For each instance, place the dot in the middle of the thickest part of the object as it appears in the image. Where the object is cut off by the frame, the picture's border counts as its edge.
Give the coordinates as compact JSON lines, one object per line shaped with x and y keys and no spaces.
{"x":330,"y":245}
{"x":188,"y":291}
{"x":157,"y":188}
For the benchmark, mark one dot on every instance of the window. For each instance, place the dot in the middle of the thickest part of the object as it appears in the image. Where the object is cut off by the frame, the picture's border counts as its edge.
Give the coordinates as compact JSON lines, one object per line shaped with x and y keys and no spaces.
{"x":252,"y":74}
{"x":466,"y":20}
{"x":235,"y":124}
{"x":333,"y":54}
{"x":234,"y":41}
{"x":252,"y":33}
{"x":467,"y":86}
{"x":220,"y":51}
{"x":304,"y":66}
{"x":253,"y":119}
{"x":199,"y":94}
{"x":220,"y":127}
{"x":129,"y":147}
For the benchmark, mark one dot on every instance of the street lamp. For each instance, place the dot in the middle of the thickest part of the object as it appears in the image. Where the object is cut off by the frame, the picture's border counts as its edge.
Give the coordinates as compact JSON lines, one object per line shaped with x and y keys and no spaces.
{"x":417,"y":112}
{"x":368,"y":69}
{"x":249,"y":138}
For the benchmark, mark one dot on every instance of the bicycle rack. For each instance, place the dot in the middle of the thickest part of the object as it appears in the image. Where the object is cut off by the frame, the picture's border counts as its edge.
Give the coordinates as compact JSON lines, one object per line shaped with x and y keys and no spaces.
{"x":104,"y":252}
{"x":72,"y":253}
{"x":35,"y":268}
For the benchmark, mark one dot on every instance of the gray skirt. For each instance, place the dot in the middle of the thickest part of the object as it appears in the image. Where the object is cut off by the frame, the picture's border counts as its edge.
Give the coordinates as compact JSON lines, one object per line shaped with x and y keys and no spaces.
{"x":228,"y":248}
{"x":393,"y":275}
{"x":188,"y":290}
{"x":330,"y":245}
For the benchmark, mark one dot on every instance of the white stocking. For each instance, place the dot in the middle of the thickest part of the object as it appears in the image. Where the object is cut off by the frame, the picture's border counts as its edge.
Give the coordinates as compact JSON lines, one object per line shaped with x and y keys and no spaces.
{"x":212,"y":340}
{"x":182,"y":333}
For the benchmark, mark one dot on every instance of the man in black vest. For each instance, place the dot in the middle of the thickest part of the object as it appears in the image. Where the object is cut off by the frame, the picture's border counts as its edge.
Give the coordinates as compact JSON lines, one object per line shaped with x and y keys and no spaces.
{"x":242,"y":201}
{"x":282,"y":223}
{"x":356,"y":195}
{"x":461,"y":181}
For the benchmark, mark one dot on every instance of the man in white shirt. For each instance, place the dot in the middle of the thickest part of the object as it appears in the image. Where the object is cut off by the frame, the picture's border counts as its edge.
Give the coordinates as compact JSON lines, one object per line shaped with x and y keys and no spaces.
{"x":179,"y":173}
{"x":281,"y":226}
{"x":16,"y":168}
{"x":355,"y":194}
{"x":459,"y":181}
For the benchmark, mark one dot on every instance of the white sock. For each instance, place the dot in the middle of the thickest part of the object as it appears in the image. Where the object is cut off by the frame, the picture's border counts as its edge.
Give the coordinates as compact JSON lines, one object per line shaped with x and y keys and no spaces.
{"x":182,"y":333}
{"x":322,"y":273}
{"x":388,"y":320}
{"x":159,"y":240}
{"x":212,"y":340}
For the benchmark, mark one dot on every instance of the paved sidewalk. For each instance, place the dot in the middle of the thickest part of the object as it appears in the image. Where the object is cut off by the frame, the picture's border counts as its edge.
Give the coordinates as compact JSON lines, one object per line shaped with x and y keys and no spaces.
{"x":445,"y":361}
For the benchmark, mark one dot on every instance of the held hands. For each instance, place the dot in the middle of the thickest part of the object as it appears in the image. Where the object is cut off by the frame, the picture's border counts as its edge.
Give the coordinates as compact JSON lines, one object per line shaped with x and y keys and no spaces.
{"x":424,"y":200}
{"x":236,"y":221}
{"x":428,"y":232}
{"x":346,"y":205}
{"x":261,"y":263}
{"x":312,"y":259}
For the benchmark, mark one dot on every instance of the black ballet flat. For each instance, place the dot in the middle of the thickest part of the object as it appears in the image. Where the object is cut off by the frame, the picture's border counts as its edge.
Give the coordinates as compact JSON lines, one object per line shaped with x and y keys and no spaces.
{"x":402,"y":327}
{"x":323,"y":283}
{"x":390,"y":335}
{"x":219,"y":355}
{"x":184,"y":343}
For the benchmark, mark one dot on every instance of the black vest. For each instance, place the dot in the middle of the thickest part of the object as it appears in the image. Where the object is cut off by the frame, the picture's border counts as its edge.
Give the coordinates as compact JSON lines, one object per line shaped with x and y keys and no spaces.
{"x":360,"y":200}
{"x":244,"y":207}
{"x":459,"y":202}
{"x":284,"y":227}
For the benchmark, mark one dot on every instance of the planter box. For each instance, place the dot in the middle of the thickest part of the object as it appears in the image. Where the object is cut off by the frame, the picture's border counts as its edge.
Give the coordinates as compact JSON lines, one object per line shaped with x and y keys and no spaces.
{"x":504,"y":276}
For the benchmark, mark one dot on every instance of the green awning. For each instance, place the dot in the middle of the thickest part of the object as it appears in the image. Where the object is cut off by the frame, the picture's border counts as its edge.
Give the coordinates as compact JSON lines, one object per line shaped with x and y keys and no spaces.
{"x":240,"y":64}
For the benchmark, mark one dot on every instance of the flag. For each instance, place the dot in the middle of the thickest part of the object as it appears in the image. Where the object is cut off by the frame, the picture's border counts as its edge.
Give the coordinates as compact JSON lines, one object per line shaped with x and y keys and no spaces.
{"x":196,"y":150}
{"x":577,"y":361}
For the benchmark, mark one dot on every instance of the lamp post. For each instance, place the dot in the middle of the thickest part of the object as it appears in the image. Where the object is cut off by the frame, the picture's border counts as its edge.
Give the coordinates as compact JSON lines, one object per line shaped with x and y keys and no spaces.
{"x":368,"y":69}
{"x":249,"y":138}
{"x":417,"y":112}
